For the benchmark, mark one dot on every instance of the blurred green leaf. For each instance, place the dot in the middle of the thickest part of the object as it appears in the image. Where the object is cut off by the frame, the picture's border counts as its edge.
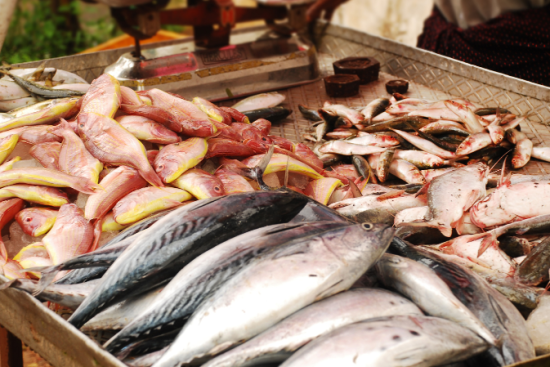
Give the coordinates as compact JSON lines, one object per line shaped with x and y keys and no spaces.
{"x":37,"y":32}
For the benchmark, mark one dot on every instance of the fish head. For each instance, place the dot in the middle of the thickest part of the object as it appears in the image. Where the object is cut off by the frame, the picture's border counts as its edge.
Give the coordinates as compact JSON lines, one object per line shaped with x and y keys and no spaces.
{"x":165,"y":166}
{"x":480,"y":170}
{"x":33,"y":221}
{"x":368,"y":236}
{"x":488,"y":211}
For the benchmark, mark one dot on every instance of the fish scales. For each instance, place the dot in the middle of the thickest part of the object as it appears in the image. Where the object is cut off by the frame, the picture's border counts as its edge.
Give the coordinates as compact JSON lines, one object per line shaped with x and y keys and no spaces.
{"x":195,"y":282}
{"x":316,"y":267}
{"x":190,"y":231}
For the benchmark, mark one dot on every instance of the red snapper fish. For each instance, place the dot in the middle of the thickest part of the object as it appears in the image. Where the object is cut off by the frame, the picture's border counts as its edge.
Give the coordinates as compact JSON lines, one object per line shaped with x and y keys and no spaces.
{"x":109,"y":142}
{"x":70,"y":236}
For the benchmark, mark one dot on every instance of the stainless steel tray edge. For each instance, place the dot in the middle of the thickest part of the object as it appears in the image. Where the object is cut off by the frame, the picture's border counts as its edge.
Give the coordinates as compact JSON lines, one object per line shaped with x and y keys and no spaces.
{"x":440,"y":72}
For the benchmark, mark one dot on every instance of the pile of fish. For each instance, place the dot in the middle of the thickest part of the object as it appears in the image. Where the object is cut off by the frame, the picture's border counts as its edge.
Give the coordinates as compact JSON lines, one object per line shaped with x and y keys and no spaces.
{"x":193,"y":236}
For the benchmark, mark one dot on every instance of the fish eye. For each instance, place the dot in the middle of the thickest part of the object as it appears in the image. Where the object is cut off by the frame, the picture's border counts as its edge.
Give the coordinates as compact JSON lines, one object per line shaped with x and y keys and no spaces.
{"x":367,"y":226}
{"x":28,"y":220}
{"x":217,"y":188}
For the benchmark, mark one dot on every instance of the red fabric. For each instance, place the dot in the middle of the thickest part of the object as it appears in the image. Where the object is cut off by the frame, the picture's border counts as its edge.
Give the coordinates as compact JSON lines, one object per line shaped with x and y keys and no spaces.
{"x":515,"y":43}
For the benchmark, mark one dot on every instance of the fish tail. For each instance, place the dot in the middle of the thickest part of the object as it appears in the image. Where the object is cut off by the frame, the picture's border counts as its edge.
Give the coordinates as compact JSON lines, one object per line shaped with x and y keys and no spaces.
{"x":447,"y":231}
{"x":151,"y":176}
{"x":487,"y":242}
{"x":47,"y":278}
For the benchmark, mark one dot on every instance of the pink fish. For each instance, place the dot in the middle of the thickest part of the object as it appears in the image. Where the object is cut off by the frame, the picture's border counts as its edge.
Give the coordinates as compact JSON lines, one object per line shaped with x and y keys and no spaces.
{"x":116,"y":185}
{"x":103,"y":97}
{"x":46,"y":177}
{"x":200,"y":184}
{"x":228,"y":148}
{"x":148,"y":130}
{"x":36,"y":221}
{"x":74,"y":158}
{"x":263,"y":125}
{"x":8,"y":210}
{"x":109,"y":142}
{"x":192,"y":120}
{"x":47,"y":154}
{"x":322,"y":189}
{"x":70,"y":236}
{"x":235,"y":115}
{"x":146,"y":201}
{"x":175,"y":159}
{"x":233,"y":183}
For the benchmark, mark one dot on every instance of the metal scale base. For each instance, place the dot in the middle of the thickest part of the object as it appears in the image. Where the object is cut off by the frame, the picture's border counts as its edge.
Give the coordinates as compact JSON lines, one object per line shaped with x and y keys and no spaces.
{"x":254,"y":62}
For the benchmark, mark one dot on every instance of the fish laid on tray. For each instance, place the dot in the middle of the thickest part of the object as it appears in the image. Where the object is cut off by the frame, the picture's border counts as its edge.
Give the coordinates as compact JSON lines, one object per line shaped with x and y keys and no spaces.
{"x":195,"y":236}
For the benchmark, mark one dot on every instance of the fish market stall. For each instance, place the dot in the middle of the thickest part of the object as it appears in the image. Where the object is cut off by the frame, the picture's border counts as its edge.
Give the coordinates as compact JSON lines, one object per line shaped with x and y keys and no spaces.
{"x":430,"y":76}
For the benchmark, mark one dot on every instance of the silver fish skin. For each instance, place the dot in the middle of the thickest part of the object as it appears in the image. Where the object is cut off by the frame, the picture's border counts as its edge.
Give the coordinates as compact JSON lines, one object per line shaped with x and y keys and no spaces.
{"x":121,"y":314}
{"x":180,"y":236}
{"x":354,"y":116}
{"x":104,"y":256}
{"x":202,"y":276}
{"x":68,"y":295}
{"x":147,"y":360}
{"x":375,"y":108}
{"x":399,"y":341}
{"x":496,"y":313}
{"x":82,"y":275}
{"x":308,"y":269}
{"x":315,"y":320}
{"x":452,"y":194}
{"x":419,"y":283}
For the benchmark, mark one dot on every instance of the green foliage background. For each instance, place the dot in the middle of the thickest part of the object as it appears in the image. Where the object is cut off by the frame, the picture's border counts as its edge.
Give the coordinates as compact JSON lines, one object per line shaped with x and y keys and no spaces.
{"x":38,"y":32}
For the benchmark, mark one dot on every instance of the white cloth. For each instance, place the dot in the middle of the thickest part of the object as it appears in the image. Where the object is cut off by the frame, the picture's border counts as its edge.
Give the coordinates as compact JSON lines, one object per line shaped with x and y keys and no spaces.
{"x":468,"y":13}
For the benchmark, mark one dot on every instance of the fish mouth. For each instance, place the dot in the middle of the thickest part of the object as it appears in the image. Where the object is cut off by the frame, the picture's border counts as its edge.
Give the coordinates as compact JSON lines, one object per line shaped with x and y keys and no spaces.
{"x":386,"y":234}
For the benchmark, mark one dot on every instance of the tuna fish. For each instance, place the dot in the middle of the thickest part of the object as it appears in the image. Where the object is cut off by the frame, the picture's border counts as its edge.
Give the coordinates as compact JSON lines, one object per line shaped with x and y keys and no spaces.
{"x":205,"y":274}
{"x":193,"y":229}
{"x":330,"y":262}
{"x":320,"y":318}
{"x":391,"y":342}
{"x":429,"y":292}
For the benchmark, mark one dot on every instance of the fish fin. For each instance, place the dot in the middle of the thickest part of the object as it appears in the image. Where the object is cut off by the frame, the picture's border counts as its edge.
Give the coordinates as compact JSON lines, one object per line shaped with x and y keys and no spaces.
{"x":390,"y":195}
{"x":9,"y":284}
{"x":446,"y":231}
{"x":261,"y":167}
{"x":423,"y":190}
{"x":505,"y":176}
{"x":97,"y":234}
{"x":487,"y":242}
{"x":354,"y":189}
{"x":46,"y":279}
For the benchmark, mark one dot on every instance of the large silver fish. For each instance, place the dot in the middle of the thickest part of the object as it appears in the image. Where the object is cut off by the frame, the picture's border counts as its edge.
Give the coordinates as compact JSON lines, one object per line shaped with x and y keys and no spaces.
{"x":399,"y":341}
{"x":278,"y":342}
{"x":490,"y":307}
{"x":182,"y":235}
{"x":429,"y":292}
{"x":307,"y":270}
{"x":120,"y":315}
{"x":202,"y":276}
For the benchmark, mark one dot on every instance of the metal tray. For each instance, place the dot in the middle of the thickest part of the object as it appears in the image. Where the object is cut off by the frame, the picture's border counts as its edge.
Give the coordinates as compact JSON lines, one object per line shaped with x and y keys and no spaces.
{"x":431,"y":76}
